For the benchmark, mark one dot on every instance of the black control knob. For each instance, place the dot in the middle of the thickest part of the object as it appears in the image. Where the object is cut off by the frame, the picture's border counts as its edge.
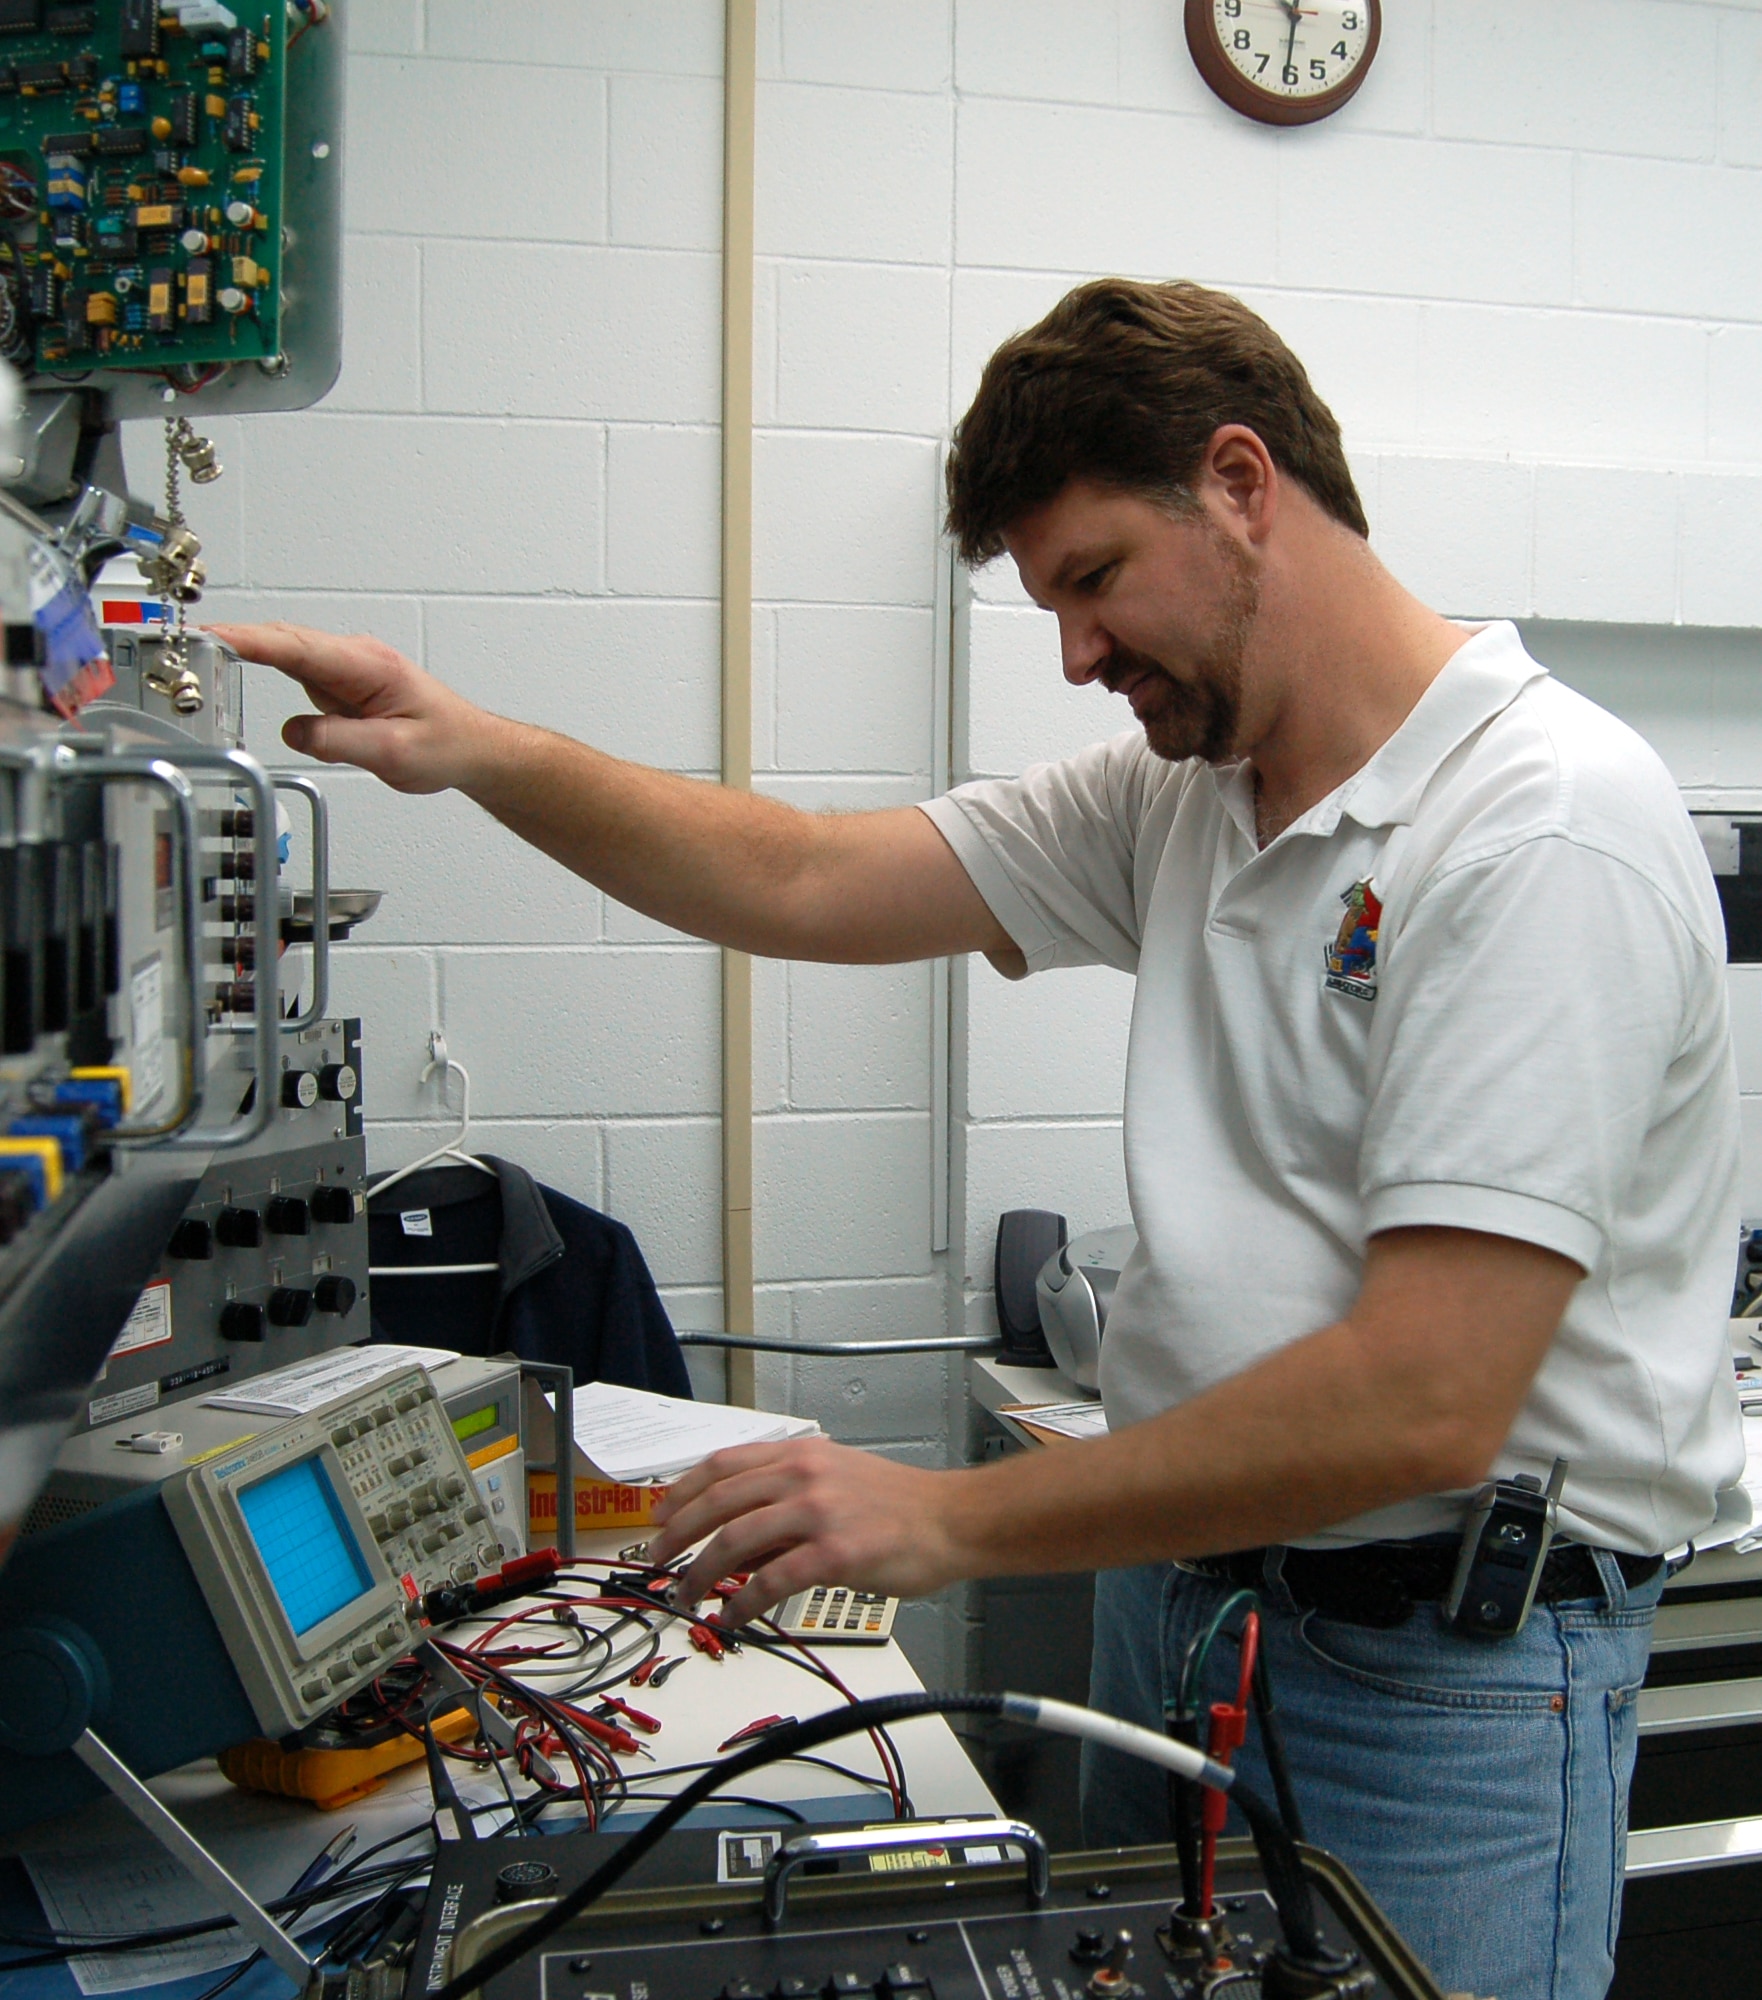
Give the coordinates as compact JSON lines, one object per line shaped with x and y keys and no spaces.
{"x":289,"y":1306}
{"x":238,"y":1228}
{"x":239,"y":1321}
{"x":338,"y":1083}
{"x":335,"y":1295}
{"x":333,"y":1204}
{"x":192,"y":1238}
{"x":287,"y":1215}
{"x":299,"y":1089}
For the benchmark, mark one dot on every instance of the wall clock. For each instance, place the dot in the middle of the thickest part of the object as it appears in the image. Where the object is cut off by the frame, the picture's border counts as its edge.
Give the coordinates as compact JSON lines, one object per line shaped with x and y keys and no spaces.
{"x":1284,"y":62}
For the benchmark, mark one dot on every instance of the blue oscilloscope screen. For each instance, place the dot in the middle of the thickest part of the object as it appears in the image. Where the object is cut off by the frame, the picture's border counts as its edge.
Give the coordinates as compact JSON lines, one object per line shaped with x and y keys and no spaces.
{"x":308,"y":1552}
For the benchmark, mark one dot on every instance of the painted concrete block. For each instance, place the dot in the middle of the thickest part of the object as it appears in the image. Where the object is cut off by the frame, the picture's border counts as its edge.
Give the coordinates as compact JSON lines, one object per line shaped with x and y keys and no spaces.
{"x":853,"y":688}
{"x":1037,"y":188}
{"x":862,"y":347}
{"x":389,"y":504}
{"x":1049,"y":1047}
{"x":1525,"y":75}
{"x":400,"y":182}
{"x":382,"y":360}
{"x":873,"y":45}
{"x":665,"y":150}
{"x":602,"y":1032}
{"x":1605,"y":544}
{"x":1721,"y":532}
{"x":637,"y":679}
{"x":1457,"y":532}
{"x":842,"y":1197}
{"x":630,"y":334}
{"x":663,"y":511}
{"x":680,"y":37}
{"x":844,"y":519}
{"x":664,"y":1179}
{"x":1562,"y":385}
{"x":859,"y":1037}
{"x":1425,"y":218}
{"x":853,"y":173}
{"x":1657,"y":236}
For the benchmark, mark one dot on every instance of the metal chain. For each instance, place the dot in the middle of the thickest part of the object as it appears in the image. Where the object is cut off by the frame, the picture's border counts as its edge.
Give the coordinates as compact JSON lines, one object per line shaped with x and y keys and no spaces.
{"x":181,"y":574}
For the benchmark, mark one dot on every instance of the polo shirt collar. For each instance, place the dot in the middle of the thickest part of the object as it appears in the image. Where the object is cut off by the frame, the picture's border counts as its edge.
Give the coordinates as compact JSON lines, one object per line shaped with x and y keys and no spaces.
{"x":1476,"y":683}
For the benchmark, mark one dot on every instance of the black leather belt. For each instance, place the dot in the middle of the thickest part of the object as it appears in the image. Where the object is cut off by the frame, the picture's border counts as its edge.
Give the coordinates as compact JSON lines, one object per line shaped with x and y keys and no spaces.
{"x":1379,"y":1583}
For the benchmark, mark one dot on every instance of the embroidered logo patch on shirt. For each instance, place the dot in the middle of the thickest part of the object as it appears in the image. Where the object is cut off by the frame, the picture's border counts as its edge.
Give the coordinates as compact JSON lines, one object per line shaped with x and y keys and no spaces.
{"x":1352,"y":957}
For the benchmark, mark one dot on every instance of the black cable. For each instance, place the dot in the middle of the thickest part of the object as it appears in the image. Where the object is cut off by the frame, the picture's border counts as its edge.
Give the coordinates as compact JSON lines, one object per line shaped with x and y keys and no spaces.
{"x":1272,"y":1744}
{"x":440,"y":1784}
{"x":498,"y":1760}
{"x":1186,"y":1808}
{"x":1279,"y":1859}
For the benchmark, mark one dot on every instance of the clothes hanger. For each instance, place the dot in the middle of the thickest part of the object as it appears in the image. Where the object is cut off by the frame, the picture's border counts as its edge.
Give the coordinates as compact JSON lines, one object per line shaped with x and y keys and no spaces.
{"x":452,"y":1150}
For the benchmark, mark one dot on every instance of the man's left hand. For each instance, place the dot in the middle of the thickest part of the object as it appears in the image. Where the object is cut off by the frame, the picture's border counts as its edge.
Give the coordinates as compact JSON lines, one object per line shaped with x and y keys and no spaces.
{"x":806,"y":1512}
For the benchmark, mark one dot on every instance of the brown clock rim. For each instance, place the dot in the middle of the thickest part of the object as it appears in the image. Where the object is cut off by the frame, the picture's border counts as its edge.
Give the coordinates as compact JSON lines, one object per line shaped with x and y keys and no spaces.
{"x":1227,"y":82}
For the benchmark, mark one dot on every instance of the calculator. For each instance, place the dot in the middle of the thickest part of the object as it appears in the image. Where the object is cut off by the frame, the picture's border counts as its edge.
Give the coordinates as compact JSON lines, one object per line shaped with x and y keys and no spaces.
{"x":832,"y":1613}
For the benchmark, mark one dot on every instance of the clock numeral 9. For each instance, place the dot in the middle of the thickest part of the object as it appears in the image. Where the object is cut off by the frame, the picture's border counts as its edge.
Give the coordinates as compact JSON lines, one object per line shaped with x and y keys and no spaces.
{"x":1233,"y":10}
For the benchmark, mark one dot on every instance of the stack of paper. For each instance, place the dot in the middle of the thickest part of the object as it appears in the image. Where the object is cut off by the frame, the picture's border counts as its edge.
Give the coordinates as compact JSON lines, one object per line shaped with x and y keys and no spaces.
{"x":308,"y":1385}
{"x":630,"y":1437}
{"x":1070,"y":1420}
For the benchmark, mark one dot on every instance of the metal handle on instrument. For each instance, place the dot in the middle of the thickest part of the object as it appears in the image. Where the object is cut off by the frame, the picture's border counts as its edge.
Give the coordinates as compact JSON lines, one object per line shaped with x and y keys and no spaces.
{"x":806,"y":1847}
{"x":320,"y":900}
{"x":169,"y":779}
{"x":266,"y":927}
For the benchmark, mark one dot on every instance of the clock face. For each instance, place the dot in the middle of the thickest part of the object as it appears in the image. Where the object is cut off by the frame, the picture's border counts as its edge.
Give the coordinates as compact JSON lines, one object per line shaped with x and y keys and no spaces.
{"x":1286,"y":62}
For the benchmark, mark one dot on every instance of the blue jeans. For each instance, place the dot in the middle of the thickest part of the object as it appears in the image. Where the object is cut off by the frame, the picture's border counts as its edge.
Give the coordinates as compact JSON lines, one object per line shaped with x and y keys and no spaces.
{"x":1478,"y":1789}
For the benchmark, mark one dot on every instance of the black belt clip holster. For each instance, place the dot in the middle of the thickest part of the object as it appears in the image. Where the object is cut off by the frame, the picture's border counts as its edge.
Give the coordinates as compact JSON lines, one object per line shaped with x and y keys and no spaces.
{"x":1505,"y":1541}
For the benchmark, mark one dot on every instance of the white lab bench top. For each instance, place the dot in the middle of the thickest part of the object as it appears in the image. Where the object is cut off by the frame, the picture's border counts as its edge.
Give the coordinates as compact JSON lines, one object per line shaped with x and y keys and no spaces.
{"x":267,"y":1841}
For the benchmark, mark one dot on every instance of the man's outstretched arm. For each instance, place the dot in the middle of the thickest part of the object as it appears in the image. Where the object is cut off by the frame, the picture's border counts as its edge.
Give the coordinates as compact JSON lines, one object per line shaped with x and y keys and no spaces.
{"x":1412,"y":1392}
{"x":860,"y":888}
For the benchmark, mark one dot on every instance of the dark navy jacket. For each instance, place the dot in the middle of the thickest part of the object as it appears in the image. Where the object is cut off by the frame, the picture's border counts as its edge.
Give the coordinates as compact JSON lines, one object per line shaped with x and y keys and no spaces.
{"x":570,"y":1287}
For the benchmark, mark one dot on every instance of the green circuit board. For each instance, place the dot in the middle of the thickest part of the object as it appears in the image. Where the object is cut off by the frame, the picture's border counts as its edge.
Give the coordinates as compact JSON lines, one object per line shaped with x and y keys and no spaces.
{"x":141,"y":172}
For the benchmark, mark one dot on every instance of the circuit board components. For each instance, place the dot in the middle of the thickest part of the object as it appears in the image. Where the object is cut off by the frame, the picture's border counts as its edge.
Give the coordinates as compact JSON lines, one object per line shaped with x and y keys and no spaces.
{"x":143,"y":160}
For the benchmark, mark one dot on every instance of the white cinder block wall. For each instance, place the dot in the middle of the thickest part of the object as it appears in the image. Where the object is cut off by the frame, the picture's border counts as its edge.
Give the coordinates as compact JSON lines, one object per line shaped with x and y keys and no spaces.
{"x":1524,"y":265}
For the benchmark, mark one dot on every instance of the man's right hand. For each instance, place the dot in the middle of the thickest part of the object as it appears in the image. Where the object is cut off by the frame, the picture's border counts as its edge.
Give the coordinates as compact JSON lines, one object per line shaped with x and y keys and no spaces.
{"x":376,"y":708}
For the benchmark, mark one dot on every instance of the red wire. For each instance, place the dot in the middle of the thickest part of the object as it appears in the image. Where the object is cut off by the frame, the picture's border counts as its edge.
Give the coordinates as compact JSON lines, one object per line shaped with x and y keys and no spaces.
{"x":1250,"y":1652}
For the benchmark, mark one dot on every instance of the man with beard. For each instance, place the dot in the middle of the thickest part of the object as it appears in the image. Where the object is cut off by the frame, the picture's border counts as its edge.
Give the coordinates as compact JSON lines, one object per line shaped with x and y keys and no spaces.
{"x":1430,"y":1117}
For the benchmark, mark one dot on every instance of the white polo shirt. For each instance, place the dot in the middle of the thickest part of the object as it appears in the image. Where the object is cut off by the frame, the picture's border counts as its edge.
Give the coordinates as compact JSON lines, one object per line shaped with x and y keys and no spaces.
{"x":1479,"y":985}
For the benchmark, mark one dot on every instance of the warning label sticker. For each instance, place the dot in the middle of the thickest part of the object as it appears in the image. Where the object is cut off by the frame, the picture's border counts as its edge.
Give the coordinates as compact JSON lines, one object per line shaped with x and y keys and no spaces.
{"x":149,"y":1325}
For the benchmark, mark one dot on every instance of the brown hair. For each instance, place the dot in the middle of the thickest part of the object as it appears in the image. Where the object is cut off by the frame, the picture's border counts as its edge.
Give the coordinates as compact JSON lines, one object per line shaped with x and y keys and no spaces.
{"x":1124,"y":383}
